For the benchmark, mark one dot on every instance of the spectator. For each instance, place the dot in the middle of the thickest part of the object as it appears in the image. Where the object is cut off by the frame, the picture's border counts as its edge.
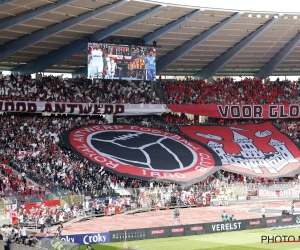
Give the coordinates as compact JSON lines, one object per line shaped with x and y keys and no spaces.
{"x":59,"y":232}
{"x":32,"y":240}
{"x":48,"y":225}
{"x":89,"y":247}
{"x":42,"y":224}
{"x":224,"y":216}
{"x":231,"y":218}
{"x":61,"y":219}
{"x":263,"y":212}
{"x":23,"y":234}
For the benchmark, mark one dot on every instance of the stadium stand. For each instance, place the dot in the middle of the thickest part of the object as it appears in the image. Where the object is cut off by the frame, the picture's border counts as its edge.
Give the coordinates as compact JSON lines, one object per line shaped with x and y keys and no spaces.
{"x":64,"y":169}
{"x":31,"y":144}
{"x":41,"y":154}
{"x":20,"y":133}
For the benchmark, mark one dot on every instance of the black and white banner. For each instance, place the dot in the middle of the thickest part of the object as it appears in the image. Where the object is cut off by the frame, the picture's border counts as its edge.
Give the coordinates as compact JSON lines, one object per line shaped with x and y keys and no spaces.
{"x":142,"y":152}
{"x":82,"y":108}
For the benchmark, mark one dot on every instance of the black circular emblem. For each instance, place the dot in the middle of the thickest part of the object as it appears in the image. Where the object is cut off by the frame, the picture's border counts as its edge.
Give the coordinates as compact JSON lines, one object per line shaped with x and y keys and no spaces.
{"x":143,"y":150}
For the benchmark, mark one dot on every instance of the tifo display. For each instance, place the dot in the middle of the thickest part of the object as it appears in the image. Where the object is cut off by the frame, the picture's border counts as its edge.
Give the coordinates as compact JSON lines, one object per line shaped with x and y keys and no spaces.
{"x":140,"y":152}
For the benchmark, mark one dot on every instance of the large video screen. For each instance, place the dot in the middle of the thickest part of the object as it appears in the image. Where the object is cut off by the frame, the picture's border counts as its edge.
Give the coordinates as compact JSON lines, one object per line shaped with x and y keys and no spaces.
{"x":124,"y":62}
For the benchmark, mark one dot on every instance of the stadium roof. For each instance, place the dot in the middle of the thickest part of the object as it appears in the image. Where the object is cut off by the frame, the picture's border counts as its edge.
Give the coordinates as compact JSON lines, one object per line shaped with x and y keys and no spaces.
{"x":51,"y":35}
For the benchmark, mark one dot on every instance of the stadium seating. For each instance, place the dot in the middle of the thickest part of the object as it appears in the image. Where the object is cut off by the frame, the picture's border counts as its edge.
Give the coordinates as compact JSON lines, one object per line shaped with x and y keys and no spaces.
{"x":80,"y":90}
{"x":27,"y":139}
{"x":227,"y":91}
{"x":222,"y":91}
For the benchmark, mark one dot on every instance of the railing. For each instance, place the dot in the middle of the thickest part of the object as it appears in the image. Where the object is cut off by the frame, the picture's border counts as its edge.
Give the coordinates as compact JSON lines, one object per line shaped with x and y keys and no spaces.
{"x":245,"y":189}
{"x":58,"y":191}
{"x":47,"y":243}
{"x":111,"y":191}
{"x":115,"y":191}
{"x":23,"y":247}
{"x":149,"y":198}
{"x":272,"y":185}
{"x":259,"y":185}
{"x":32,"y":195}
{"x":23,"y":199}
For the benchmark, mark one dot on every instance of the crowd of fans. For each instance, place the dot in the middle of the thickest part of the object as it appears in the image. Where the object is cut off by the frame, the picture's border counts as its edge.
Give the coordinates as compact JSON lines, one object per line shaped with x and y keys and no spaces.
{"x":44,"y":157}
{"x":32,"y":145}
{"x":227,"y":91}
{"x":80,"y":90}
{"x":15,"y":184}
{"x":221,"y":91}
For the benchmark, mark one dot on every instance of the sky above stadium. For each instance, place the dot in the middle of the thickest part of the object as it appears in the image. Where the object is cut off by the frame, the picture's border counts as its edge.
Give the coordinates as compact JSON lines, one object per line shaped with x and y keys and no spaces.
{"x":279,"y":7}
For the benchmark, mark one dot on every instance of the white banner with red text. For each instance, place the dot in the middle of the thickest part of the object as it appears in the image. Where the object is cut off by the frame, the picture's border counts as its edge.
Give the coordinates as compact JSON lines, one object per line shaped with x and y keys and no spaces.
{"x":82,"y":108}
{"x":292,"y":192}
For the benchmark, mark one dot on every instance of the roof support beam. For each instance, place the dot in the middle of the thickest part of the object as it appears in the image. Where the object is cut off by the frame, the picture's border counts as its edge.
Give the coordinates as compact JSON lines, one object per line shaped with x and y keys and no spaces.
{"x":165,"y":29}
{"x":270,"y":66}
{"x":12,"y":21}
{"x":2,"y":2}
{"x":121,"y":25}
{"x":212,"y":68}
{"x":160,"y":32}
{"x":66,"y":51}
{"x":25,"y":41}
{"x":177,"y":53}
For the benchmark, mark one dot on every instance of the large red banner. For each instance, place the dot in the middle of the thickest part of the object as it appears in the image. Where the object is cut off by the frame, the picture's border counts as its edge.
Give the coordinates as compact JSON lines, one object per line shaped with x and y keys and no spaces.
{"x":264,"y":111}
{"x":251,"y":149}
